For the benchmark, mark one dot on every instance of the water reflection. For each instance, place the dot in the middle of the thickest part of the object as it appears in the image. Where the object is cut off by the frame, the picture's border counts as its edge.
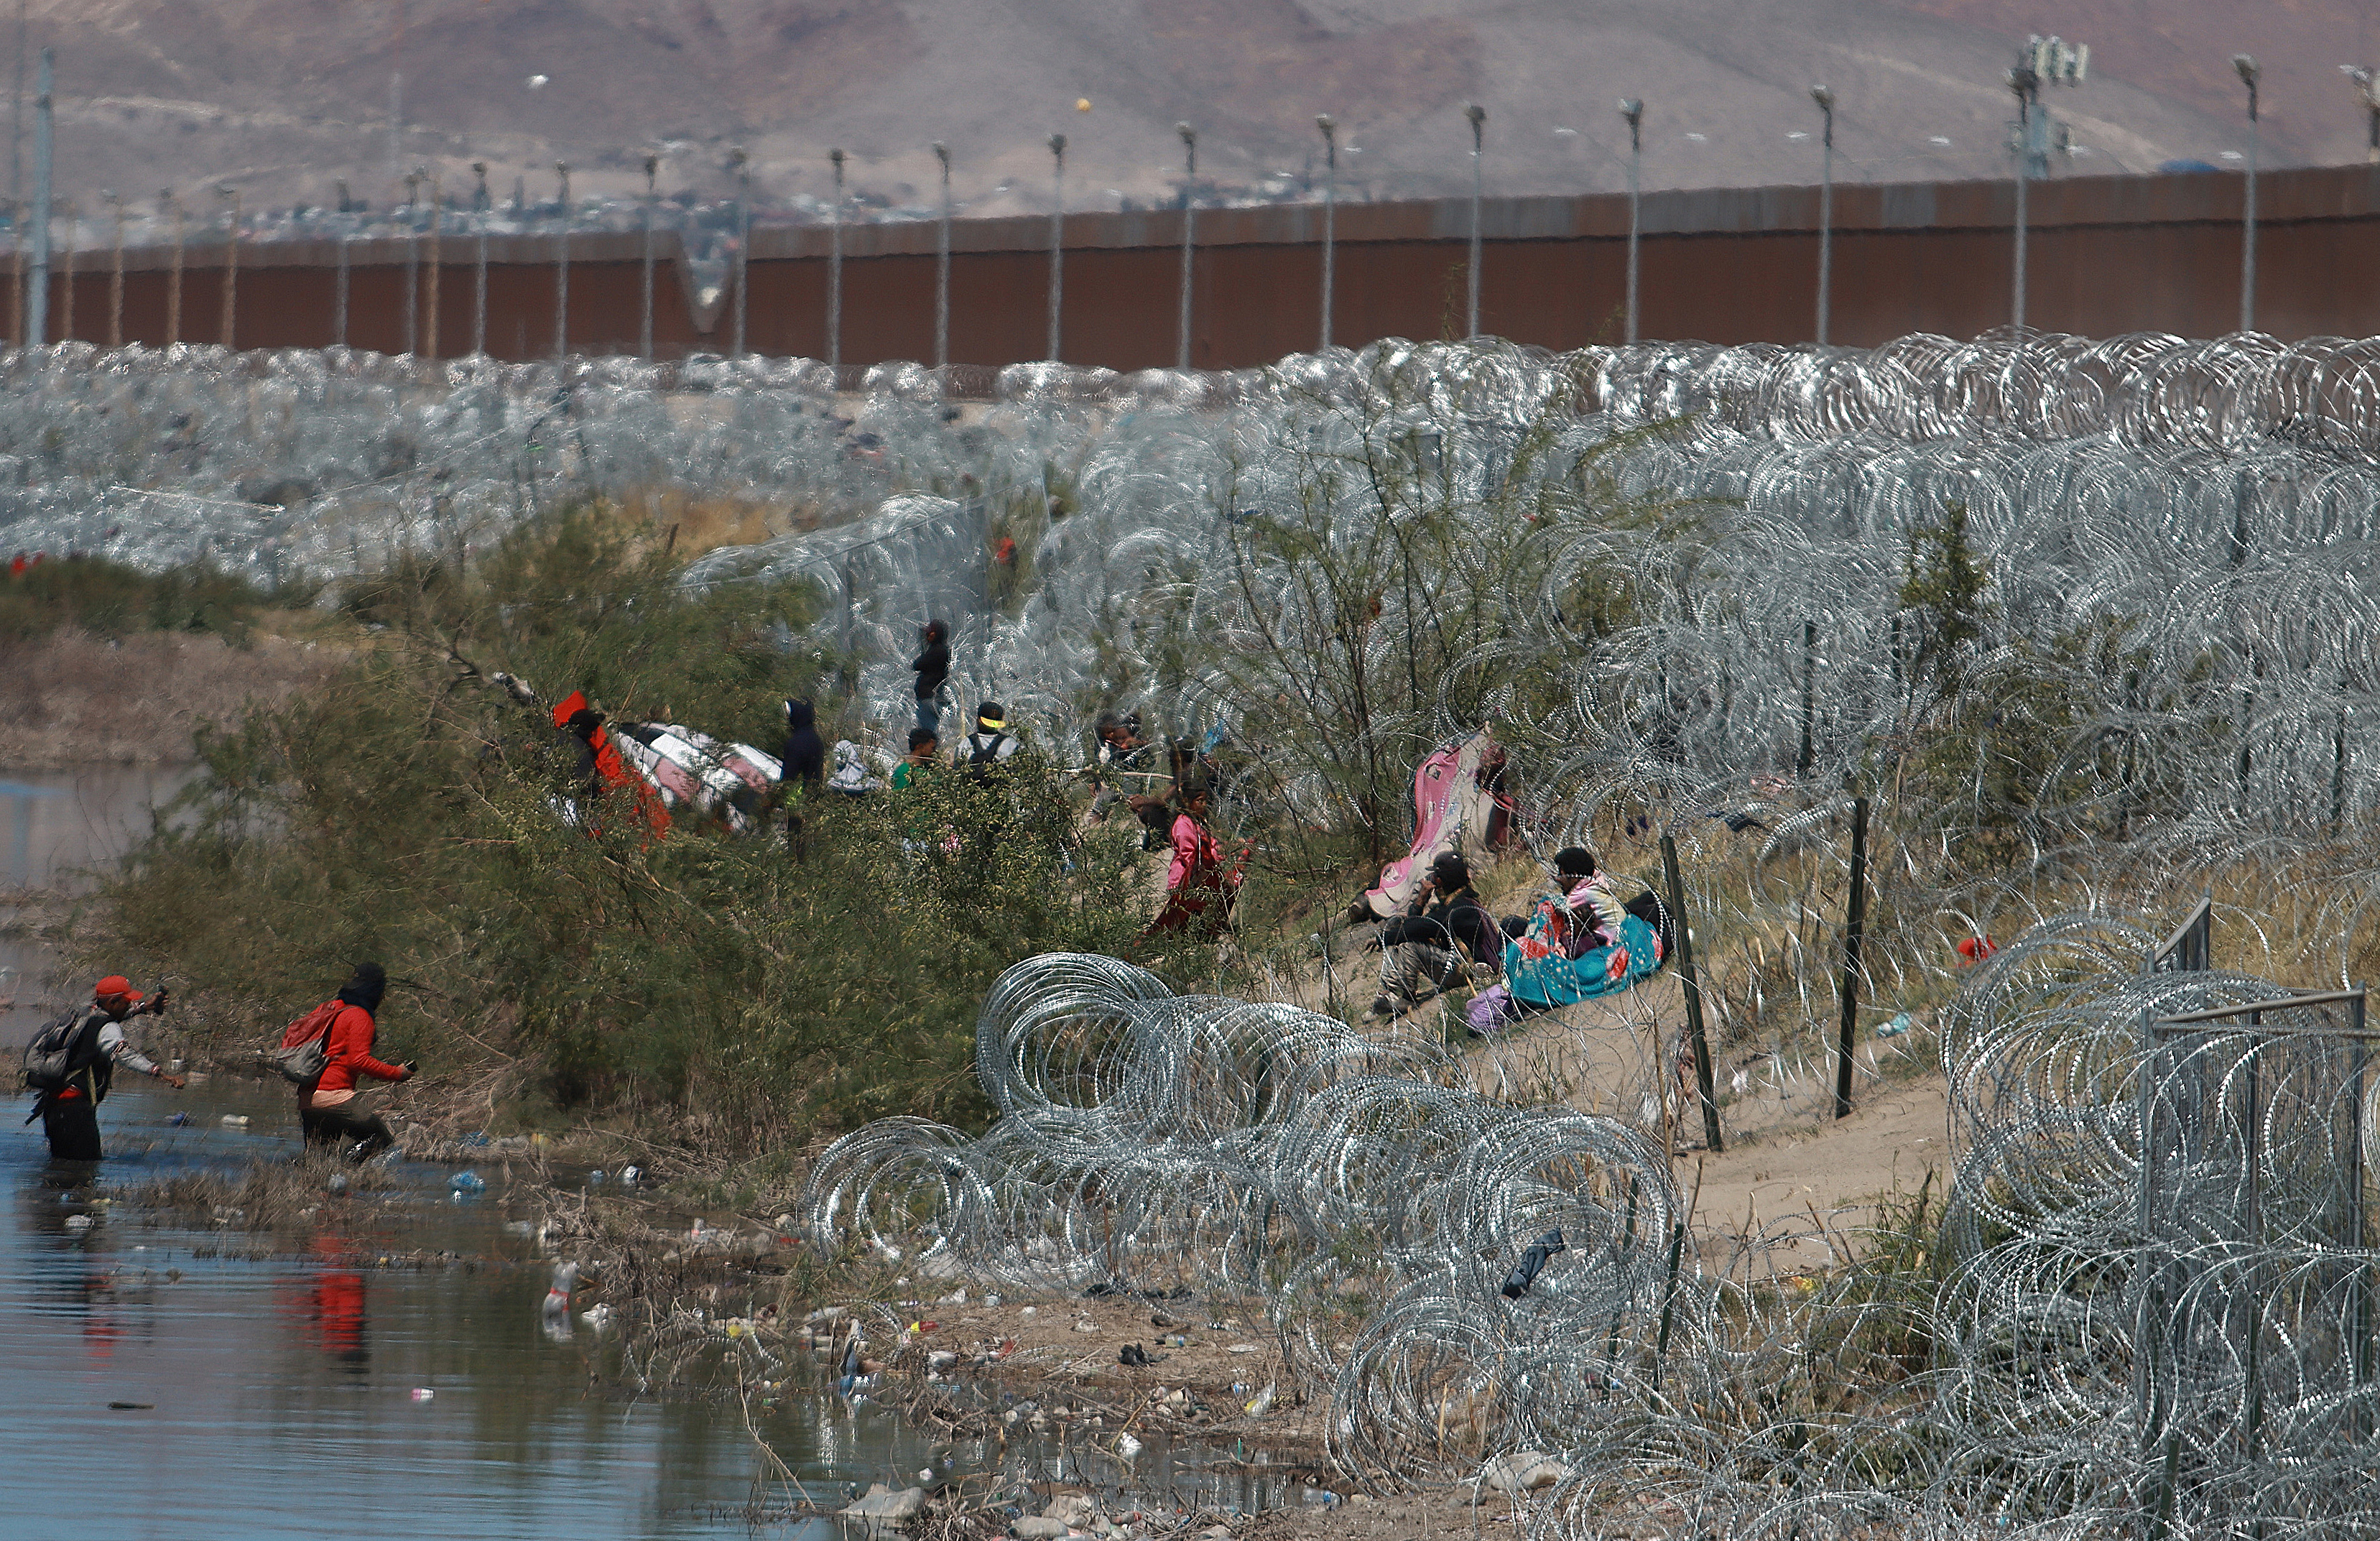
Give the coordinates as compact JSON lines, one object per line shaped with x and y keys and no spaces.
{"x":228,"y":1362}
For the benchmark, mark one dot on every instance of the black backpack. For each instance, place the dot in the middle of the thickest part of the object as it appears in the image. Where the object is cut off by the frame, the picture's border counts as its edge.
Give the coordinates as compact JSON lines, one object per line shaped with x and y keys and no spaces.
{"x":983,"y":761}
{"x":64,"y":1050}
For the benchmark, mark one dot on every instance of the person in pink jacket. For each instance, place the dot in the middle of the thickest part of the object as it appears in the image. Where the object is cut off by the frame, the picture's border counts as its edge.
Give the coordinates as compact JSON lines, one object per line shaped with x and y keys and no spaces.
{"x":1198,"y":889}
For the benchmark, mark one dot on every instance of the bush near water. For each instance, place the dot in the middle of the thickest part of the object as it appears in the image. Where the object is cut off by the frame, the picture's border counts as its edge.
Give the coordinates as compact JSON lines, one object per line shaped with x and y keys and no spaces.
{"x":549,"y":974}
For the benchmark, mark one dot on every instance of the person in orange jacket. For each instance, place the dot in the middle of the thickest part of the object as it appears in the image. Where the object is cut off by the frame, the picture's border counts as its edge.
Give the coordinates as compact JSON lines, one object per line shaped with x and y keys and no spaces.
{"x":328,"y":1111}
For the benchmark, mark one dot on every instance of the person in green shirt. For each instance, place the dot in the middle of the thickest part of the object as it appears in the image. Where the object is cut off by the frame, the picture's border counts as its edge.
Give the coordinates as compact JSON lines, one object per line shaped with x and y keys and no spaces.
{"x":925,"y":757}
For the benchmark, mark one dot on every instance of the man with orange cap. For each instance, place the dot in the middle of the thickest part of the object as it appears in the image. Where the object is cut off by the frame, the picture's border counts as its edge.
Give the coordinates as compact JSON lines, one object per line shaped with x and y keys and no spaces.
{"x":81,"y":1052}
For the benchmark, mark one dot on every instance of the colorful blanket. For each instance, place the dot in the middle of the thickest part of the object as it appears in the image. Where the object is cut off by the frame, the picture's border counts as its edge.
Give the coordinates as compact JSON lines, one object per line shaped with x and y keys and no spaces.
{"x":1540,"y":978}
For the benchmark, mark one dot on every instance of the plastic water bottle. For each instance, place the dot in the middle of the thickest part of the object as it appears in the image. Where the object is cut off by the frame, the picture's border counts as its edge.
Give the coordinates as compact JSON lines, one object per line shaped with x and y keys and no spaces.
{"x":468,"y":1183}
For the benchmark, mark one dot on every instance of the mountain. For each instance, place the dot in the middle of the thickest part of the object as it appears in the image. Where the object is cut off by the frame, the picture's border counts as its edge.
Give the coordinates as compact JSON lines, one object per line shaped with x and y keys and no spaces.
{"x":280,"y":97}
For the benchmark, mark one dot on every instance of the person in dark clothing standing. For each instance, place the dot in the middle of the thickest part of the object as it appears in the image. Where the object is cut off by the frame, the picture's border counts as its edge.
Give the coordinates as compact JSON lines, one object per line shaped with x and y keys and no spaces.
{"x":95,"y":1043}
{"x":1443,"y":930}
{"x":328,"y":1111}
{"x":804,"y":755}
{"x":933,"y":667}
{"x":802,"y":768}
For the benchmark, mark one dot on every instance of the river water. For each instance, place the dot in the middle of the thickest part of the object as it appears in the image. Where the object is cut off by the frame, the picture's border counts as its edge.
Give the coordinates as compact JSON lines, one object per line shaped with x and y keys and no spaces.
{"x":175,"y":1382}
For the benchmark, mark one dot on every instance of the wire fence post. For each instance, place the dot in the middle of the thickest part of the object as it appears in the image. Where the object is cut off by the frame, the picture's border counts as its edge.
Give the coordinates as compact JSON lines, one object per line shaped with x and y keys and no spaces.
{"x":1854,"y":922}
{"x":1683,"y":936}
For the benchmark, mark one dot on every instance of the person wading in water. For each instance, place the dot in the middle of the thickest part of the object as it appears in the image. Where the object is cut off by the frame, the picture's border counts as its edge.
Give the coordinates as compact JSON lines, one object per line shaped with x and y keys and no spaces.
{"x":73,"y":1060}
{"x":327,"y":1111}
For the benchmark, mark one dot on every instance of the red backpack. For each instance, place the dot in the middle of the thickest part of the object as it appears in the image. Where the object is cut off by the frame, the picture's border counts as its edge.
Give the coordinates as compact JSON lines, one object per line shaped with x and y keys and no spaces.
{"x":305,"y":1050}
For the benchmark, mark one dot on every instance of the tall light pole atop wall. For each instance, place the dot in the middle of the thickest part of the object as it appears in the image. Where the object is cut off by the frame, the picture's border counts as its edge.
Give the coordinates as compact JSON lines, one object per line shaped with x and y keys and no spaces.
{"x":1189,"y":237}
{"x":479,"y":202}
{"x":1057,"y":238}
{"x":835,"y":269}
{"x":1330,"y":216}
{"x":2042,"y":62}
{"x":2249,"y":75}
{"x":37,"y":289}
{"x":942,"y":273}
{"x":1632,"y":109}
{"x":645,"y":325}
{"x":1477,"y":115}
{"x":741,"y":164}
{"x":562,"y":265}
{"x":1825,"y":101}
{"x":231,"y":265}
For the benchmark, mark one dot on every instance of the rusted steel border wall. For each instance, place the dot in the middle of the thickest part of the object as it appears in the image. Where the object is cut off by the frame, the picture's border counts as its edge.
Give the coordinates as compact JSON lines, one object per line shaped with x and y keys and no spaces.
{"x":2108,"y":255}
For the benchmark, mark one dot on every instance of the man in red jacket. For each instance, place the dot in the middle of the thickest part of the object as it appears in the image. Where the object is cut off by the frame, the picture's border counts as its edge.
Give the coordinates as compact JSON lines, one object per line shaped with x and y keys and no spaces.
{"x":328,"y":1111}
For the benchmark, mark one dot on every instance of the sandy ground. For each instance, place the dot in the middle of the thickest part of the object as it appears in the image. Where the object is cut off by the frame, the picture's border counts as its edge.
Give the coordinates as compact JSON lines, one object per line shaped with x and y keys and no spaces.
{"x":71,"y":698}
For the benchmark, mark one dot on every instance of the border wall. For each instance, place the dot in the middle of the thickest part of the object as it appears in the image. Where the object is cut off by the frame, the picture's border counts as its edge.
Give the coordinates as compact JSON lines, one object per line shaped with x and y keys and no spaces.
{"x":2108,"y":255}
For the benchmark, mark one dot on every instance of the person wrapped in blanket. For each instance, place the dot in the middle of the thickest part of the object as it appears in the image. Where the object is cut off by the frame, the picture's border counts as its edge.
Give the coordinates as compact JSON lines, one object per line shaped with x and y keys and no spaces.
{"x":1443,"y":935}
{"x":1578,"y":942}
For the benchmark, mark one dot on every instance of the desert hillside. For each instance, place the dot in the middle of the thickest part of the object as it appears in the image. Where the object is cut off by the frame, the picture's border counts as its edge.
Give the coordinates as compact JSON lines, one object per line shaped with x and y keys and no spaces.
{"x":283,"y":97}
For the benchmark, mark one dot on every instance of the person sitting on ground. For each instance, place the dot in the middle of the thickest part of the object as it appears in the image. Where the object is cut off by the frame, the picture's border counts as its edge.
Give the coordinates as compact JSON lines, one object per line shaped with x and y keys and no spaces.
{"x":329,"y":1112}
{"x":933,"y":667}
{"x":924,"y":760}
{"x":1585,"y":914}
{"x":94,"y":1038}
{"x":1442,"y":932}
{"x":1199,"y":892}
{"x":853,"y":776}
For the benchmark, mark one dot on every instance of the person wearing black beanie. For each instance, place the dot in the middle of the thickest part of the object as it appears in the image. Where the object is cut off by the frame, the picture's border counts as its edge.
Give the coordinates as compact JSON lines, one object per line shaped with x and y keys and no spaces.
{"x":328,"y":1110}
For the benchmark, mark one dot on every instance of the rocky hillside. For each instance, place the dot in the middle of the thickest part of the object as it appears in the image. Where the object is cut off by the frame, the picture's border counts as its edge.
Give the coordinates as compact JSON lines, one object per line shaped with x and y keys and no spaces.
{"x":281,"y":97}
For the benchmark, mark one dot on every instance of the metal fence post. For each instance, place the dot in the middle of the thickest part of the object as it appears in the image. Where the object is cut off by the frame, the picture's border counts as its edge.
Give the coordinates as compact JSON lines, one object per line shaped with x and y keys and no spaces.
{"x":1694,"y":990}
{"x":1854,"y":922}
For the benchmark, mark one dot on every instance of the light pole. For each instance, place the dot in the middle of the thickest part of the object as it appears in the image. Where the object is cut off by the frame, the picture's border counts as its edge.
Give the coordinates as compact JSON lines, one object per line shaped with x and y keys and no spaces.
{"x":231,"y":265}
{"x":645,"y":323}
{"x":437,"y":261}
{"x":2246,"y":66}
{"x":1189,"y":237}
{"x":1825,"y":101}
{"x":413,"y":263}
{"x":1632,"y":109}
{"x":2367,"y":86}
{"x":834,"y":268}
{"x":2042,"y":61}
{"x":174,"y":271}
{"x":479,"y":265}
{"x":116,"y":278}
{"x":2026,"y":84}
{"x":743,"y":166}
{"x":1330,"y":216}
{"x":942,"y":273}
{"x":37,"y":295}
{"x":1477,"y":115}
{"x":562,"y":265}
{"x":1057,"y":236}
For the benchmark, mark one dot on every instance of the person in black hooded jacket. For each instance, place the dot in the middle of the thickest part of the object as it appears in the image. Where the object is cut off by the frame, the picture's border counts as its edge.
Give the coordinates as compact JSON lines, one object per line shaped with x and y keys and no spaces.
{"x":805,"y":752}
{"x":933,"y":667}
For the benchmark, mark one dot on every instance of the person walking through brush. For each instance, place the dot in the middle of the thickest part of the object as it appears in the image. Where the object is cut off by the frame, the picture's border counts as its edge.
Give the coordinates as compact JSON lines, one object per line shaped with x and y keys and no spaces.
{"x":1426,"y":947}
{"x":933,"y":667}
{"x":71,"y":1062}
{"x":328,"y":1111}
{"x":1199,"y":892}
